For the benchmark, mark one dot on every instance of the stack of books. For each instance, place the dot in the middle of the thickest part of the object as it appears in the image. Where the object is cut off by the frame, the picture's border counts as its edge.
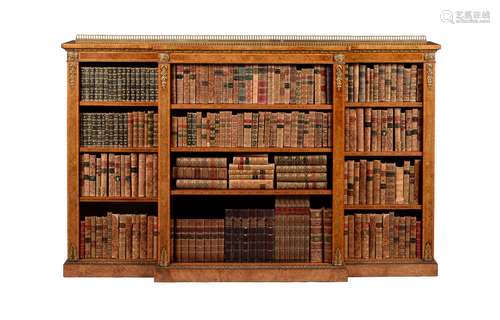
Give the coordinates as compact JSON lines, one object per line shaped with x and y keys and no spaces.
{"x":251,"y":172}
{"x":301,"y":172}
{"x":200,"y":173}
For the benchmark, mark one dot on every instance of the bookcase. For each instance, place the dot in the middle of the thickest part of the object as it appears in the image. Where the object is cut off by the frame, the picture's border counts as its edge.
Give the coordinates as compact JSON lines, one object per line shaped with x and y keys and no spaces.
{"x":250,"y":158}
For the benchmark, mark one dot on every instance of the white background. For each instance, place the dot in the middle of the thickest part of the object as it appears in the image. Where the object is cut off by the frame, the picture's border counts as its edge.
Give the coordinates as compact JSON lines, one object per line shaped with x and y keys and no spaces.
{"x":33,"y":164}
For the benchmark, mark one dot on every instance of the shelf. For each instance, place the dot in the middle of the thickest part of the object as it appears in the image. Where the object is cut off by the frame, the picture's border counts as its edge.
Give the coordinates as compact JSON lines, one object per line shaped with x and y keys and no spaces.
{"x":384,"y":104}
{"x":383,"y":154}
{"x":250,"y":150}
{"x":109,"y":268}
{"x":116,"y":199}
{"x":249,"y":192}
{"x":250,"y":272}
{"x":249,"y":106}
{"x":118,"y":103}
{"x":391,"y":269}
{"x":119,"y":149}
{"x":382,"y":207}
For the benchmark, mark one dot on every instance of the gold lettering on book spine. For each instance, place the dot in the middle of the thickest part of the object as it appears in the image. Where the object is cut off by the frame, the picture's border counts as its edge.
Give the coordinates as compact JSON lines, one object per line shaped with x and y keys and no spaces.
{"x":428,"y":252}
{"x":163,"y":257}
{"x":72,"y":63}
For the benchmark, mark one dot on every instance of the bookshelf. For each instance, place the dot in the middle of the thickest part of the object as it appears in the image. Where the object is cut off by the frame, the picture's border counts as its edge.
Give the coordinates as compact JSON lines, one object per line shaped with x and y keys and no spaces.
{"x":142,"y":73}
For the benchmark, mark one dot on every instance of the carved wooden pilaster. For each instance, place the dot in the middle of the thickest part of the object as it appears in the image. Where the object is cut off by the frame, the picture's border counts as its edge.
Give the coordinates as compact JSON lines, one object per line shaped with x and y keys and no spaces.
{"x":164,"y":241}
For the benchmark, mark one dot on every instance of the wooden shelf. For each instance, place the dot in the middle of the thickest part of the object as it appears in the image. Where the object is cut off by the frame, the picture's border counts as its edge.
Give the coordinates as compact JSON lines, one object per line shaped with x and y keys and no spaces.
{"x":116,"y":199}
{"x":109,"y":268}
{"x":250,"y":264}
{"x":250,"y":150}
{"x":391,"y":269}
{"x":253,"y":273}
{"x":382,"y":207}
{"x":249,"y":106}
{"x":410,"y":154}
{"x":384,"y":104}
{"x":119,"y":149}
{"x":247,"y":192}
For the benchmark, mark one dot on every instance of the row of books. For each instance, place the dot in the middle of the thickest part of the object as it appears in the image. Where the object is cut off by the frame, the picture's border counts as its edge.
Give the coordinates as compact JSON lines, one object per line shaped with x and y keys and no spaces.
{"x":252,"y":129}
{"x":119,"y":129}
{"x":252,"y":172}
{"x":119,"y":236}
{"x":381,"y":182}
{"x":119,"y":175}
{"x":308,"y":172}
{"x":391,"y":129}
{"x":243,"y":172}
{"x":381,"y":236}
{"x":267,"y":84}
{"x":118,"y":84}
{"x":198,"y":240}
{"x":383,"y":82}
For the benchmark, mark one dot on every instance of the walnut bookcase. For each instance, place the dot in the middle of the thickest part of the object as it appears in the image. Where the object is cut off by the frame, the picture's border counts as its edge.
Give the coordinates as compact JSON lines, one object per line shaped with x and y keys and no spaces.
{"x":165,"y":51}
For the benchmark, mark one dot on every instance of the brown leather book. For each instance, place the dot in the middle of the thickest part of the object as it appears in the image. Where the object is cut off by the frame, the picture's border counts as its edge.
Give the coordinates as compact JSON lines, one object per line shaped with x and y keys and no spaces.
{"x":327,"y":235}
{"x":356,"y":182}
{"x":386,"y":235}
{"x":149,"y":237}
{"x":365,"y":236}
{"x":370,"y":182}
{"x":407,"y":236}
{"x":406,"y":182}
{"x":351,"y":227}
{"x":135,"y":236}
{"x":316,"y":235}
{"x":143,"y":229}
{"x":98,"y":237}
{"x":376,"y":181}
{"x":88,"y":241}
{"x":373,"y":236}
{"x":364,"y":193}
{"x":122,"y":236}
{"x":399,"y":185}
{"x":358,"y":229}
{"x":367,"y":129}
{"x":378,"y":236}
